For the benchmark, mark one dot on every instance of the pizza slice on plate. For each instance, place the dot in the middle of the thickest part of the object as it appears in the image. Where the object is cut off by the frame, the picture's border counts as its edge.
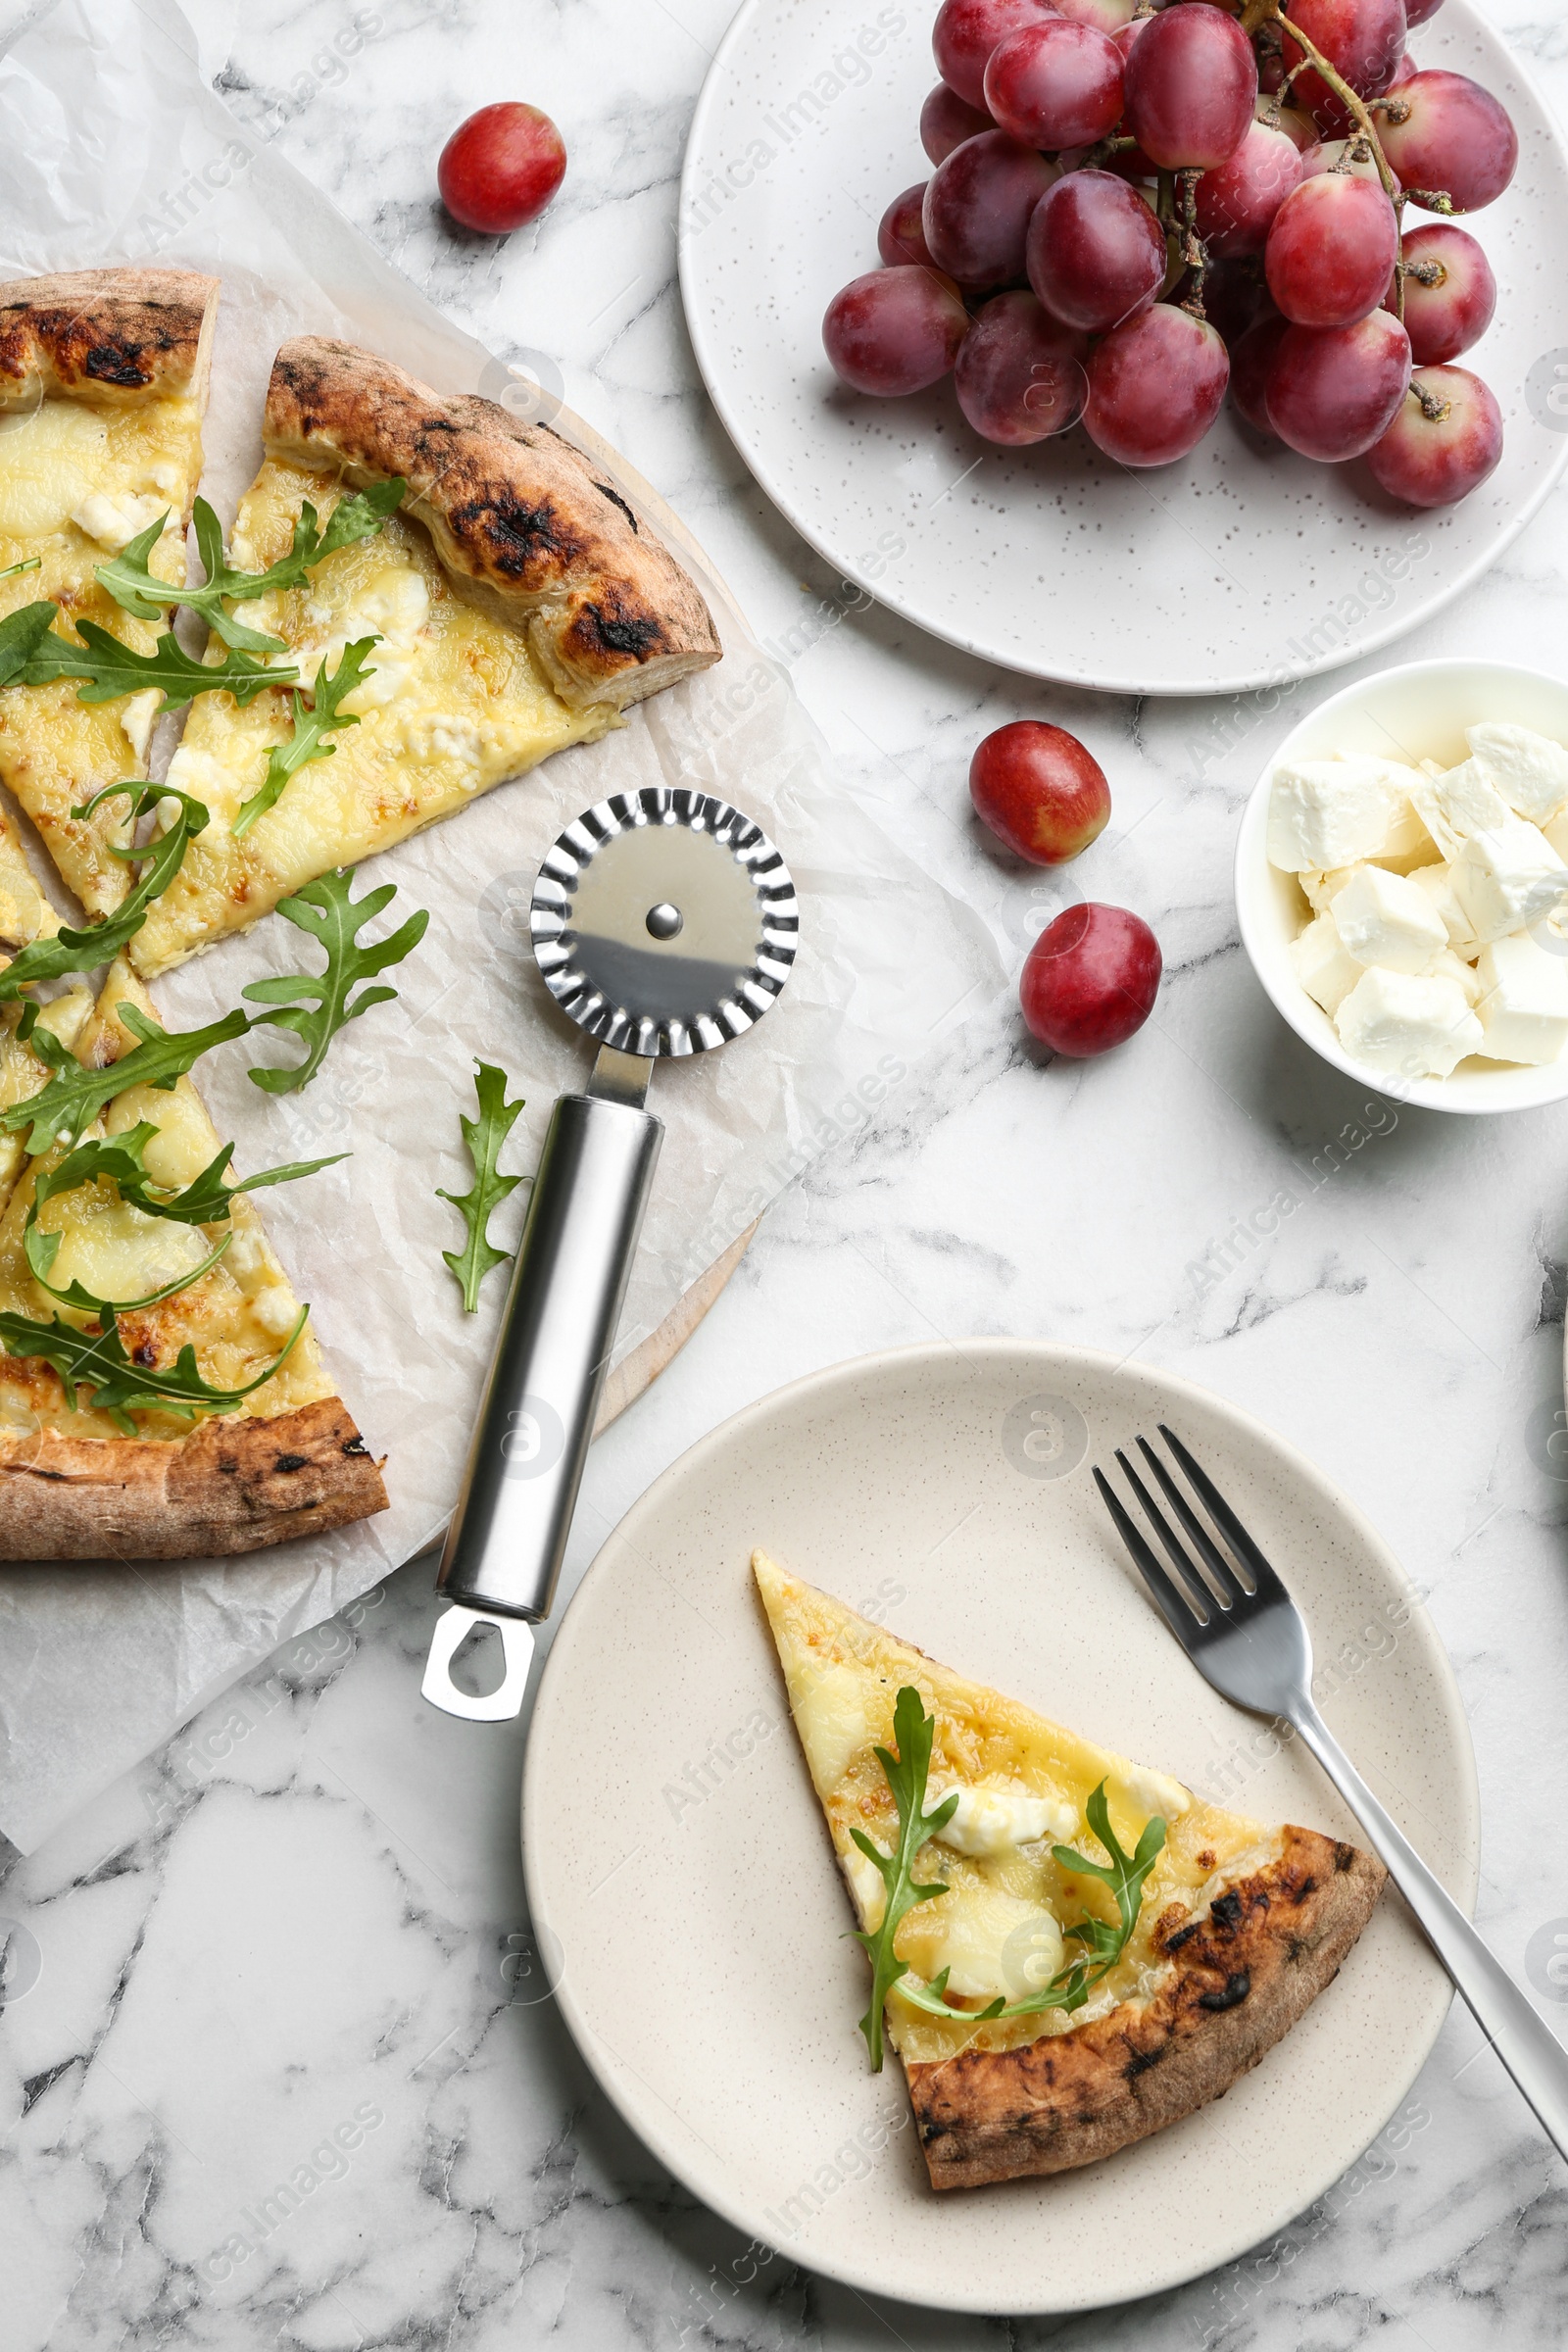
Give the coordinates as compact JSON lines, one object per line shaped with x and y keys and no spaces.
{"x":196,"y":1419}
{"x":511,"y":606}
{"x":1087,"y":1951}
{"x":103,"y":386}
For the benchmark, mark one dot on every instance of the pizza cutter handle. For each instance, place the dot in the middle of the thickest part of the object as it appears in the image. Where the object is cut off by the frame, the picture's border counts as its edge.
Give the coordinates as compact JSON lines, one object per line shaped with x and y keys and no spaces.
{"x":509,"y":1534}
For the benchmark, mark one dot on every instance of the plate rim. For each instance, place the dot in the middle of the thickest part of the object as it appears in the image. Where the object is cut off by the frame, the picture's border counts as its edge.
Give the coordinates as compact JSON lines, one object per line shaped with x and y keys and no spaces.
{"x":731,"y":417}
{"x":884,"y":1362}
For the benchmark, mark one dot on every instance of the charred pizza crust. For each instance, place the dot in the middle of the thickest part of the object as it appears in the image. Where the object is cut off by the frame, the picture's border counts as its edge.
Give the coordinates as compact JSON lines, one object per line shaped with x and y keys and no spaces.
{"x":533,"y":532}
{"x":229,"y":1487}
{"x":107,"y":335}
{"x":1240,"y":1979}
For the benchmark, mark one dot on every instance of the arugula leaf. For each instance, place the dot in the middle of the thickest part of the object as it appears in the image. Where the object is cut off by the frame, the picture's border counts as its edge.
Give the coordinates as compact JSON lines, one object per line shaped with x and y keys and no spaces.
{"x":28,"y":564}
{"x":140,"y":591}
{"x":82,"y":950}
{"x":74,"y":1096}
{"x":98,"y":1361}
{"x":22,"y":633}
{"x":107,"y":668}
{"x":312,"y":726}
{"x":484,"y":1137}
{"x":334,"y":920}
{"x":1124,"y":1874}
{"x":907,"y":1775}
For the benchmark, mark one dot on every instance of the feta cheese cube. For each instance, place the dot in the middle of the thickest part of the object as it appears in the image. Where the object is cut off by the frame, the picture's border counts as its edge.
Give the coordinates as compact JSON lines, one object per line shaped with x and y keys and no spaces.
{"x":1323,"y":964}
{"x":1326,"y":812}
{"x":1406,"y":1026}
{"x":1386,"y":919}
{"x":1555,"y":831}
{"x":1524,"y":1000}
{"x":1529,"y":770}
{"x":1507,"y":877}
{"x":1456,"y":802}
{"x":1438,"y":883}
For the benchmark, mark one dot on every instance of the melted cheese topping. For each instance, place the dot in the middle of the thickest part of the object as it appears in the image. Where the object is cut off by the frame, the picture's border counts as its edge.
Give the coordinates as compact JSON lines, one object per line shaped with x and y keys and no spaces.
{"x":77,"y":482}
{"x":1024,"y":1783}
{"x":238,"y":1315}
{"x":455,"y":706}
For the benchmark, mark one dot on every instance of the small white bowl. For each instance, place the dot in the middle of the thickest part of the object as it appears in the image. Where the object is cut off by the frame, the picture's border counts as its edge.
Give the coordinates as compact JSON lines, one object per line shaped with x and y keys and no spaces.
{"x":1419,"y":711}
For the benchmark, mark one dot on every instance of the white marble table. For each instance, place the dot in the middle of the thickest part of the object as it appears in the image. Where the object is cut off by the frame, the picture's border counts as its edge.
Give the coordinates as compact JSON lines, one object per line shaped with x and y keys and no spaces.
{"x":291,"y":1947}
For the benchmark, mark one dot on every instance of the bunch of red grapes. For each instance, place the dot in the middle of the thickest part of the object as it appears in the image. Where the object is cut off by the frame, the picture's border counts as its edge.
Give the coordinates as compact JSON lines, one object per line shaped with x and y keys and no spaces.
{"x":1132,"y":211}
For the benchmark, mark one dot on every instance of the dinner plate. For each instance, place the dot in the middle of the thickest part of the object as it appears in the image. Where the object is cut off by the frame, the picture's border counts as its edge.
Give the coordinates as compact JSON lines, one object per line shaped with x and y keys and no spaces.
{"x":683,"y":1888}
{"x":1236,"y":569}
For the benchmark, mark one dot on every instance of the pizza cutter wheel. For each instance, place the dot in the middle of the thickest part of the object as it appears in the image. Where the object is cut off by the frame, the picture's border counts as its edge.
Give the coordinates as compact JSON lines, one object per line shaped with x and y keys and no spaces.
{"x":664,"y":924}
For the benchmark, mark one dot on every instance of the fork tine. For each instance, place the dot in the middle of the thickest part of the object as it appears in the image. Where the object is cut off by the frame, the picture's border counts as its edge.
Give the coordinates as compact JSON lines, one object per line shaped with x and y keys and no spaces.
{"x":1186,"y":1577}
{"x":1231,"y":1586}
{"x":1270,"y":1584}
{"x":1179,"y":1610}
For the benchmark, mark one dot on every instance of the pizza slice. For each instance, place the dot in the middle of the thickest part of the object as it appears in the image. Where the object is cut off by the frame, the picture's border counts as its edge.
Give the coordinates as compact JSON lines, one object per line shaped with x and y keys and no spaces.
{"x":103,"y":386}
{"x":513,"y":605}
{"x":199,"y":1420}
{"x":1088,"y":1951}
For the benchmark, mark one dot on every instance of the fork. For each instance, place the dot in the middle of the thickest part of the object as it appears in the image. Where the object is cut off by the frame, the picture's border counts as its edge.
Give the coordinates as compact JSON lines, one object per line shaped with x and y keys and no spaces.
{"x":1246,"y":1637}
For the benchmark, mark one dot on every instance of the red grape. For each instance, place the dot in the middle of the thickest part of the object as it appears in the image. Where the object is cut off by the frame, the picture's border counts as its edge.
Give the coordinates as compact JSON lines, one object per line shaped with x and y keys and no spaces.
{"x":900,"y":236}
{"x":977,"y":208}
{"x":1093,"y":974}
{"x":1019,"y":377}
{"x":1446,"y":436}
{"x":1156,"y":384}
{"x":1331,"y":251}
{"x":1237,"y":202}
{"x":501,"y":168}
{"x":1055,"y":84}
{"x":1192,"y":84}
{"x":1299,"y":127}
{"x":1449,"y":309}
{"x":1125,"y":34}
{"x":1251,"y":361}
{"x":1362,"y":39}
{"x":1403,"y":72}
{"x":1334,"y":391}
{"x":1444,"y":132}
{"x":1040,"y":791}
{"x":895,"y":330}
{"x":946,"y":121}
{"x":1420,"y":12}
{"x":968,"y":30}
{"x":1096,"y":252}
{"x":1354,"y":155}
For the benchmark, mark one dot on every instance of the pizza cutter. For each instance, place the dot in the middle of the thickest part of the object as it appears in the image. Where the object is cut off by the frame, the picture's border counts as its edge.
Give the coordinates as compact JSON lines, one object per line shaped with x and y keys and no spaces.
{"x":664,"y":924}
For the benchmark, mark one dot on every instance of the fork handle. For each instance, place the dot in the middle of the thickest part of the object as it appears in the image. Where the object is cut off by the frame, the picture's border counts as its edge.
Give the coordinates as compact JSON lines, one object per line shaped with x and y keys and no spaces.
{"x":1510,"y":2020}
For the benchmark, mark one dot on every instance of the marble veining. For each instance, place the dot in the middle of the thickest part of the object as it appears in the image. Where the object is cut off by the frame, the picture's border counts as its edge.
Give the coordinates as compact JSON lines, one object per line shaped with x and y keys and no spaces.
{"x":279,"y":2063}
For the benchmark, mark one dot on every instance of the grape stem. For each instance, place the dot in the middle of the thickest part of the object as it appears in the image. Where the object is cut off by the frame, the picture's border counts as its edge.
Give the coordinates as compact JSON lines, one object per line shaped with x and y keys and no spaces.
{"x":1194,"y":252}
{"x":1433,"y":407}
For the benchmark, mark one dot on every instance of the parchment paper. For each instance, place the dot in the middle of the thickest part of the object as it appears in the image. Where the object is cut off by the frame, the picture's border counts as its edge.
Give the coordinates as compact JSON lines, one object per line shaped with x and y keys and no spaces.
{"x":110,"y":150}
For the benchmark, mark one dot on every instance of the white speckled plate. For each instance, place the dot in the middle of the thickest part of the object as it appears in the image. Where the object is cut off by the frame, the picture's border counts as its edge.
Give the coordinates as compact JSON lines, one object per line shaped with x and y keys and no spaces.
{"x":680,"y":1878}
{"x":1235,"y":569}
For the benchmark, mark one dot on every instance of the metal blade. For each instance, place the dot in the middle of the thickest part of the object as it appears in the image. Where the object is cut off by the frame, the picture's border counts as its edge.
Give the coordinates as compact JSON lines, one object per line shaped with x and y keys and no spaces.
{"x":452,"y":1629}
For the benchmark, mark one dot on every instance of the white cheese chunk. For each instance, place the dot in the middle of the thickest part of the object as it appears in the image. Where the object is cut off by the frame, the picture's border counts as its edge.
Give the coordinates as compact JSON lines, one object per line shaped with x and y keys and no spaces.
{"x":1324,"y":813}
{"x":1438,"y":883}
{"x":113,"y":519}
{"x":993,"y":1821}
{"x":1407,"y":1026}
{"x":1323,"y":964}
{"x":1528,"y":769}
{"x":1450,"y":966}
{"x":136,"y":717}
{"x":1321,"y":889}
{"x":1456,"y":802}
{"x":1507,"y":877}
{"x":1524,"y":1000}
{"x":1148,"y":1791}
{"x":1386,"y":919}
